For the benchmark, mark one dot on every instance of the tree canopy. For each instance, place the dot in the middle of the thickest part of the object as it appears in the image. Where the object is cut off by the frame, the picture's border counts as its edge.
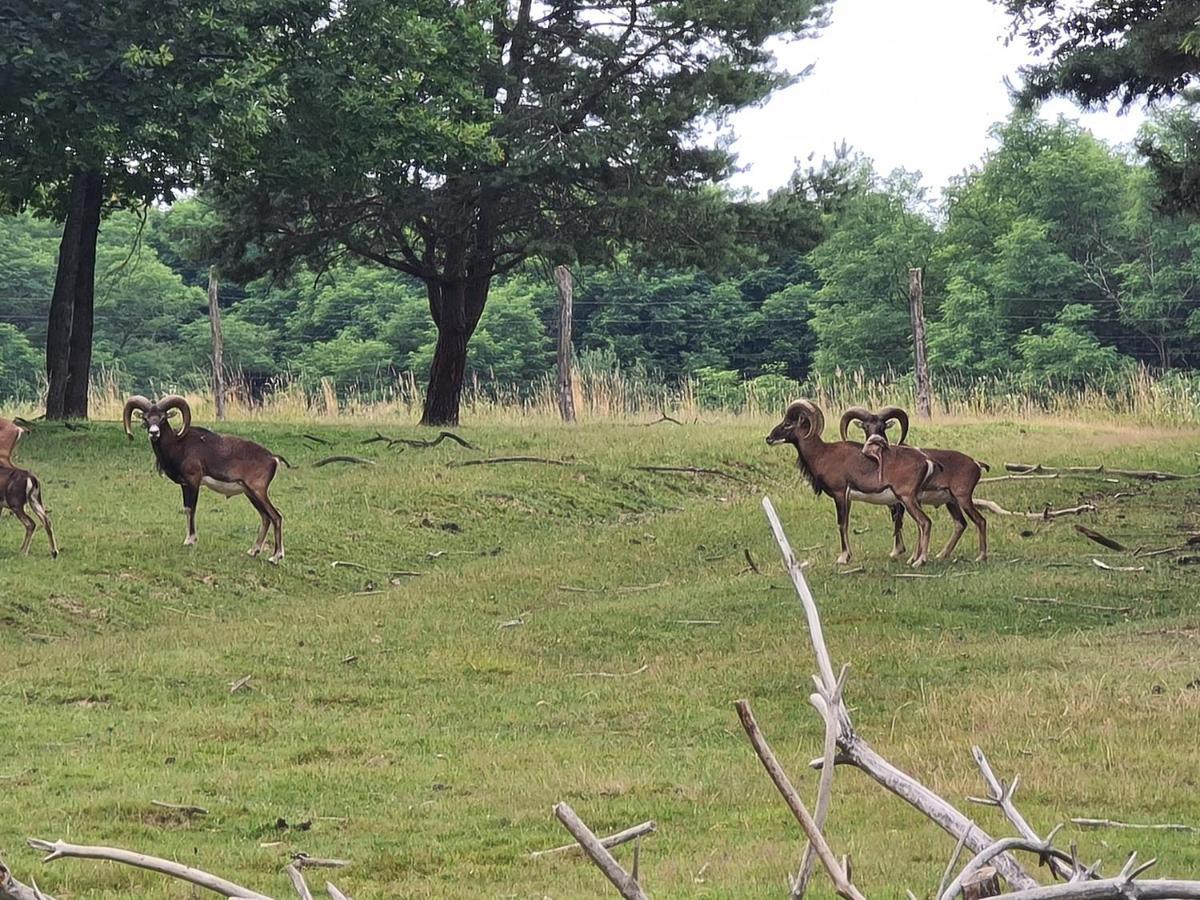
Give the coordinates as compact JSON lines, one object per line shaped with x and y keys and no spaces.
{"x":561,"y":132}
{"x":1128,"y":52}
{"x":107,"y":105}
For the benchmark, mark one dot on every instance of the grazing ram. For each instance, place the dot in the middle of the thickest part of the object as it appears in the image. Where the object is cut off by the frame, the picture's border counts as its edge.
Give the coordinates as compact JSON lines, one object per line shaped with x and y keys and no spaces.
{"x":841,"y":471}
{"x":196,"y":457}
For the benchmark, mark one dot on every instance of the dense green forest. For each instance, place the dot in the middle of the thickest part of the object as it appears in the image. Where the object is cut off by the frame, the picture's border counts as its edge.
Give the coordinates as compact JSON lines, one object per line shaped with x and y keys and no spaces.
{"x":1048,"y":263}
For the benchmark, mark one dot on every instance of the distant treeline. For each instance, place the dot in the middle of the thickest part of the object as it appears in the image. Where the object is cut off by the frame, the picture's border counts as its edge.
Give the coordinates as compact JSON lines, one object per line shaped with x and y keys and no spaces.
{"x":1048,"y":263}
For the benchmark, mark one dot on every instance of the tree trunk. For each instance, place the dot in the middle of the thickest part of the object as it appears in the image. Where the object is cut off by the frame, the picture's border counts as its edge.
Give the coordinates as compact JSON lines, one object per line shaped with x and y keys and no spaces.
{"x":456,"y":306}
{"x":62,"y":302}
{"x":446,"y":378}
{"x":79,"y":371}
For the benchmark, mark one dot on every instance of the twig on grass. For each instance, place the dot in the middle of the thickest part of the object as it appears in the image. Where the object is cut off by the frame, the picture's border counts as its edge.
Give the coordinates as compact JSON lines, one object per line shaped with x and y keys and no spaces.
{"x":185,"y":809}
{"x":692,"y":470}
{"x":613,"y":840}
{"x":317,"y":440}
{"x":994,"y":478}
{"x":354,"y":460}
{"x":1102,"y":539}
{"x":750,"y":563}
{"x":662,"y":419}
{"x":609,"y":674}
{"x":1046,"y":515}
{"x":236,"y":686}
{"x":1101,"y":564}
{"x":418,"y":443}
{"x":1054,"y":601}
{"x":1112,"y":823}
{"x":499,"y":460}
{"x":624,"y":589}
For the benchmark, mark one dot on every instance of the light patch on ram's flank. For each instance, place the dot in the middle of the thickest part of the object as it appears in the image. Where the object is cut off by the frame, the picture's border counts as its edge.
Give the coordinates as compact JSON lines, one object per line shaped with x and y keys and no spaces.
{"x":226,"y":488}
{"x":888,"y":498}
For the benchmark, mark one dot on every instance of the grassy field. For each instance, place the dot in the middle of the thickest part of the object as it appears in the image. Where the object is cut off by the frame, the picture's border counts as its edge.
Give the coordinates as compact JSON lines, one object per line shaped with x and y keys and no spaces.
{"x":396,"y":721}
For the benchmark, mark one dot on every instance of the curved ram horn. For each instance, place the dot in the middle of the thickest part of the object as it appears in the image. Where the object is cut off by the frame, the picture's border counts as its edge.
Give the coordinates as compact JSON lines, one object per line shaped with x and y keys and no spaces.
{"x":850,"y":415}
{"x":816,"y":418}
{"x":792,"y":413}
{"x":138,"y":402}
{"x":174,"y":401}
{"x":895,"y":412}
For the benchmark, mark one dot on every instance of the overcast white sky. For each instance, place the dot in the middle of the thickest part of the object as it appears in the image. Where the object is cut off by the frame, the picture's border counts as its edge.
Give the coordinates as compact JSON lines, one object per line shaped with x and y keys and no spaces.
{"x":910,"y":83}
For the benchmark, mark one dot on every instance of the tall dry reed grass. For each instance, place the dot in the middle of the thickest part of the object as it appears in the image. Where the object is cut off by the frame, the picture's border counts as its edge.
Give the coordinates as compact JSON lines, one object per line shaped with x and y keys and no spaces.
{"x":613,"y":395}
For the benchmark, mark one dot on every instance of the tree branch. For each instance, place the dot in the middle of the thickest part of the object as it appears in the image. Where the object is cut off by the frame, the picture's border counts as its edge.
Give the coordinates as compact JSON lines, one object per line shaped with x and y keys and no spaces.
{"x":625,"y":883}
{"x":837,"y":872}
{"x":62,"y":850}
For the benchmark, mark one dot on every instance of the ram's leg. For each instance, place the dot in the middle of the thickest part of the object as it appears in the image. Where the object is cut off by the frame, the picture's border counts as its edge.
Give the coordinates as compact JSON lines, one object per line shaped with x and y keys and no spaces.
{"x":277,"y":522}
{"x":39,"y":510}
{"x":968,"y":505}
{"x":923,"y":529}
{"x":960,"y":525}
{"x":191,"y":493}
{"x":30,"y":528}
{"x":263,"y":526}
{"x":842,"y":503}
{"x":267,"y":509}
{"x":897,"y":530}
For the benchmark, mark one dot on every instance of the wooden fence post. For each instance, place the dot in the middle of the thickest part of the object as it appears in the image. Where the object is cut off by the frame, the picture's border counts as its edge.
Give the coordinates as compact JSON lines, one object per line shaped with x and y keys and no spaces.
{"x":916,"y":308}
{"x":566,"y":299}
{"x":218,"y":341}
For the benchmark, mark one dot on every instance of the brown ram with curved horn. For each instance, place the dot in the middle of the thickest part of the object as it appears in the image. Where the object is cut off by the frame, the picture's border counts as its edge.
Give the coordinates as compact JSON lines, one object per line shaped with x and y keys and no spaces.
{"x":952,"y":486}
{"x":196,"y":457}
{"x":841,"y":471}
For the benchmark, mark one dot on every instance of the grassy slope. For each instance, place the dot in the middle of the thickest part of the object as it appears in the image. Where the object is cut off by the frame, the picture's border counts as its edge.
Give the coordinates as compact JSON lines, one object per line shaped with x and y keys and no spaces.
{"x":432,"y":761}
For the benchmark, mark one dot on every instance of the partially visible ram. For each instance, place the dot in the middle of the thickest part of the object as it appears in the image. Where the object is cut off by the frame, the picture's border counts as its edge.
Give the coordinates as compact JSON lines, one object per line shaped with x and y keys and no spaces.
{"x":841,"y":471}
{"x":951,"y":485}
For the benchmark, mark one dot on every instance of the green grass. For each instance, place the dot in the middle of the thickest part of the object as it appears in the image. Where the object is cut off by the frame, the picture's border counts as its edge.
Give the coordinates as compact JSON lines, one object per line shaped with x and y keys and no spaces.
{"x":432,"y":760}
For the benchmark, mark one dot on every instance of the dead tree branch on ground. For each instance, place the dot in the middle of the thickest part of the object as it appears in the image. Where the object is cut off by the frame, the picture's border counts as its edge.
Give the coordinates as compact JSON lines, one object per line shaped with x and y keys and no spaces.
{"x":605,"y":861}
{"x":853,"y":750}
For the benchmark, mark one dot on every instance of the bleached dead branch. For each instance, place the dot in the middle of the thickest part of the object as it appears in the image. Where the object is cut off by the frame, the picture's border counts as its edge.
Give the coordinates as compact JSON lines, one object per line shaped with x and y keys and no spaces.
{"x":853,"y":750}
{"x":63,"y":850}
{"x":837,"y":870}
{"x":625,"y":883}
